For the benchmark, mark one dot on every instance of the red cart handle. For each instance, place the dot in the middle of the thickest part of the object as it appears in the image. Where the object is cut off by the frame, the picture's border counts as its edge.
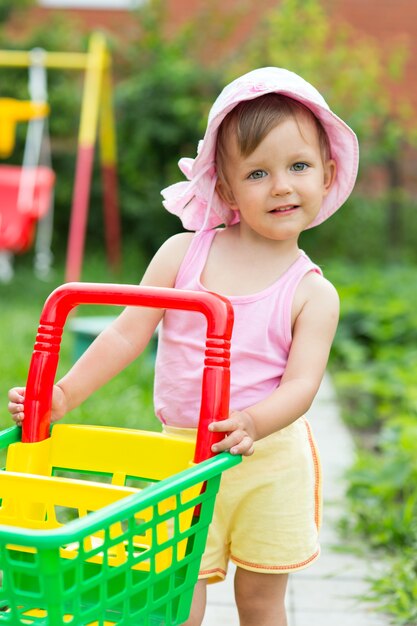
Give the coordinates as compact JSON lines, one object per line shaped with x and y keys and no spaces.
{"x":216,"y":375}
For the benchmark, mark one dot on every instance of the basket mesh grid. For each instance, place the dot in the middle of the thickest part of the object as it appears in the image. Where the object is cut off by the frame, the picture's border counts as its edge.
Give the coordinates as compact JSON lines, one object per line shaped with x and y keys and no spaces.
{"x":135,"y":565}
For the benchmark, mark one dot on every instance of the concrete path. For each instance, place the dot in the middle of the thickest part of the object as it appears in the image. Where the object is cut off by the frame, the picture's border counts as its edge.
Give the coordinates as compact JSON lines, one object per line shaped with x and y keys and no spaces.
{"x":329,"y":592}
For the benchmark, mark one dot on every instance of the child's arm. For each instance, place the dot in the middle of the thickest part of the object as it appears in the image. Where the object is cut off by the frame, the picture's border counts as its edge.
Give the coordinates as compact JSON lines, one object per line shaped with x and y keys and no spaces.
{"x":315,"y":324}
{"x":118,"y":345}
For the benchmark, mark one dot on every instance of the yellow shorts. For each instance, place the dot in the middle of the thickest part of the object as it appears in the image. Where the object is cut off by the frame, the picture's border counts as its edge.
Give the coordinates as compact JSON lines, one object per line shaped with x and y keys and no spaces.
{"x":268,"y":510}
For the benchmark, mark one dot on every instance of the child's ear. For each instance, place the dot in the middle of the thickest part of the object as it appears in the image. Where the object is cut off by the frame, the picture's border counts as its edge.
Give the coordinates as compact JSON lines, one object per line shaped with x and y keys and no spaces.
{"x":330,"y":170}
{"x":226,"y":193}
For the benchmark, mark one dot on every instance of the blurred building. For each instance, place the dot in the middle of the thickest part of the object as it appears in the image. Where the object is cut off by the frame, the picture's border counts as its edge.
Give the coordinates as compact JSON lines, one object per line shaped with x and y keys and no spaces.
{"x":389,"y":22}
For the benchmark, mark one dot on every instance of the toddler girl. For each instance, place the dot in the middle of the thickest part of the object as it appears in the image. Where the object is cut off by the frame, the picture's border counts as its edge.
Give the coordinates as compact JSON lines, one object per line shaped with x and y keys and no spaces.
{"x":274,"y":161}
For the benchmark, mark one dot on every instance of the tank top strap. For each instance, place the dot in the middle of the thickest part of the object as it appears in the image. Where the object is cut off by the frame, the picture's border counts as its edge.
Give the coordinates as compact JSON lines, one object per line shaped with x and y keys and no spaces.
{"x":302,"y":265}
{"x":195,"y":259}
{"x":288,"y":285}
{"x":291,"y":278}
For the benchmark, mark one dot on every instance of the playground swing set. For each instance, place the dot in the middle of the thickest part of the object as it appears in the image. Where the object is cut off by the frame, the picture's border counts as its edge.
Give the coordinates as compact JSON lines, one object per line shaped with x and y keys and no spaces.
{"x":27,"y":190}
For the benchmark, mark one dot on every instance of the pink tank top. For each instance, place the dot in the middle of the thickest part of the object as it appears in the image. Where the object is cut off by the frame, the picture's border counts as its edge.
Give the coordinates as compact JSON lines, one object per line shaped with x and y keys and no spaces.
{"x":261,"y":341}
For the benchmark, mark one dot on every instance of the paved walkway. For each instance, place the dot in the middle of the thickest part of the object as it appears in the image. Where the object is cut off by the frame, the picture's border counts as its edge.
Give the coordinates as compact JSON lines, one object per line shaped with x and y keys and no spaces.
{"x":327,"y":593}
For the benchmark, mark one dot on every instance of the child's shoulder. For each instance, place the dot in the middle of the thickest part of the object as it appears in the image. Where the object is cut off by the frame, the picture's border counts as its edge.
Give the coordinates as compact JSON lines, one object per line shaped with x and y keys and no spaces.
{"x":163,"y":268}
{"x":173,"y":249}
{"x":316,"y":293}
{"x":316,"y":286}
{"x":178,"y":244}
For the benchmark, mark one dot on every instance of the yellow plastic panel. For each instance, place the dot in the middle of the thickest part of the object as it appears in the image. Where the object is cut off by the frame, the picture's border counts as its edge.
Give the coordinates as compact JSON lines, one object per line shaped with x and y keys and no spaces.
{"x":30,"y":501}
{"x":119,"y":451}
{"x":67,"y":618}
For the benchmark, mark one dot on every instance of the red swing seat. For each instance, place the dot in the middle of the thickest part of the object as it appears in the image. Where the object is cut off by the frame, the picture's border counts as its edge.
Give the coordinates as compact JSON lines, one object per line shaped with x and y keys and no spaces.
{"x":18,"y":218}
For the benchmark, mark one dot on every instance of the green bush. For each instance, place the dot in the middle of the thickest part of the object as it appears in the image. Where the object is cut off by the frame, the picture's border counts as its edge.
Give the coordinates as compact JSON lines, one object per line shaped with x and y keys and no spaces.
{"x":399,"y":589}
{"x":374,"y":364}
{"x":162,"y":105}
{"x":159,"y":110}
{"x":375,"y":347}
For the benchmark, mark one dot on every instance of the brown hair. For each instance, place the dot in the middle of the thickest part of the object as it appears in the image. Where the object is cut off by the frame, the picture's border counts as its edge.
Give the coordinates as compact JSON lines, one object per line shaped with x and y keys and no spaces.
{"x":252,"y":120}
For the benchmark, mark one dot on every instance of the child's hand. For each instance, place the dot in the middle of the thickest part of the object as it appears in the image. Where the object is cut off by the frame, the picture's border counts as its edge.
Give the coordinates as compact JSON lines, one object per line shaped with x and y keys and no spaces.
{"x":240,"y":434}
{"x":17,"y":398}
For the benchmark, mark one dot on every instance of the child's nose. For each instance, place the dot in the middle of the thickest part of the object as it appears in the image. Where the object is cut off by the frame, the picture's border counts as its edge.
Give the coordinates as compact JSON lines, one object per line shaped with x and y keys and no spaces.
{"x":281,"y":185}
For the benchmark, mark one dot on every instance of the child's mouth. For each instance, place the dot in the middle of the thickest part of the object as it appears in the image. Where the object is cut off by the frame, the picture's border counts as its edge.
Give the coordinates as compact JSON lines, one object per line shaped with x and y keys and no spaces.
{"x":284,"y":209}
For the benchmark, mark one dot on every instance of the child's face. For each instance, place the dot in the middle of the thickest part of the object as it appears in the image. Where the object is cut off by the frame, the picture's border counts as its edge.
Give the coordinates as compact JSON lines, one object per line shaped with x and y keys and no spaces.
{"x":279,"y":188}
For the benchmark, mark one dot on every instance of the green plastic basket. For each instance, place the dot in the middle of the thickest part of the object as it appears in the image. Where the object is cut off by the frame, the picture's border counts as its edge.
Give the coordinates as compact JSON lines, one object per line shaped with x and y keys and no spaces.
{"x":133,"y":561}
{"x":41,"y":586}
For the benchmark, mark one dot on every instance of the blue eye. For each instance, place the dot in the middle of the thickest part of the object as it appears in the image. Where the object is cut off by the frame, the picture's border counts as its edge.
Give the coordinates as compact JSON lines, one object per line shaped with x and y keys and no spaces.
{"x":257,"y":174}
{"x":299,"y":167}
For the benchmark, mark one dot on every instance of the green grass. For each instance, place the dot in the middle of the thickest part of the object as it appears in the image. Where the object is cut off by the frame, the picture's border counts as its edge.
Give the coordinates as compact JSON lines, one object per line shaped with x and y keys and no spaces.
{"x":126,"y":400}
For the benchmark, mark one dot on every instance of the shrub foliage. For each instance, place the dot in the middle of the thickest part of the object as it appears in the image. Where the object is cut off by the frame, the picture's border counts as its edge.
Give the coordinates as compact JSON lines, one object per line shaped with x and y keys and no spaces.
{"x":374,"y":364}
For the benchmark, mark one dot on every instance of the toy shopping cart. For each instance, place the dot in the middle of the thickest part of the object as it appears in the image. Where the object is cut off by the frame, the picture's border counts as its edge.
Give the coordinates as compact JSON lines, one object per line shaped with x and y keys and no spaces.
{"x":82,"y":540}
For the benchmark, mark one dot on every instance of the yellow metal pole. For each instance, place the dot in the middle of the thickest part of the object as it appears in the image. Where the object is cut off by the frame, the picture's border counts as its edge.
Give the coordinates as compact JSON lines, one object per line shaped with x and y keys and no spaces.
{"x":108,"y":157}
{"x":86,"y":140}
{"x":92,"y":90}
{"x":108,"y":150}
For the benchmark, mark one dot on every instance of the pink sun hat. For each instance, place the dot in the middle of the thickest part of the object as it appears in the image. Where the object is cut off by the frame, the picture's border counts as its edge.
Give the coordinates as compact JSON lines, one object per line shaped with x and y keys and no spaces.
{"x":196,"y":201}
